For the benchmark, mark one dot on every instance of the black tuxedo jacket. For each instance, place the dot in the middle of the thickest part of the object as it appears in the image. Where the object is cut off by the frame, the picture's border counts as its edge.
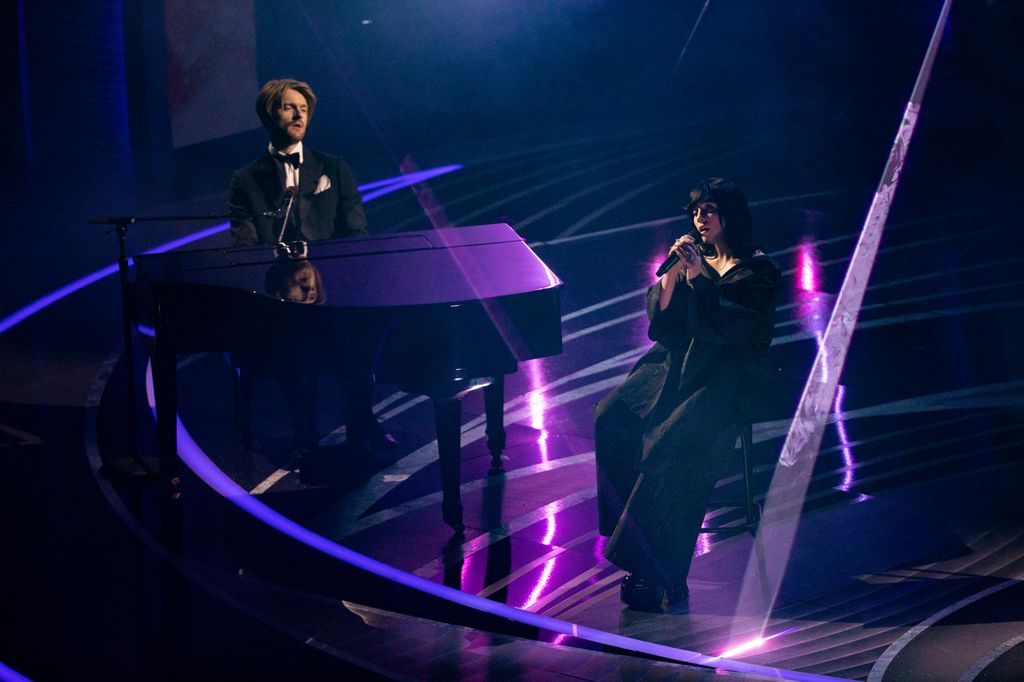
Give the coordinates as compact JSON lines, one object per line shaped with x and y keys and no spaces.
{"x":336,"y":211}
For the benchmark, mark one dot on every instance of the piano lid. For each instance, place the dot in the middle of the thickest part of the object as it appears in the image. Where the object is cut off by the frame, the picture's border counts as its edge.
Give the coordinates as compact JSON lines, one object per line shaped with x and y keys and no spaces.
{"x":447,"y":265}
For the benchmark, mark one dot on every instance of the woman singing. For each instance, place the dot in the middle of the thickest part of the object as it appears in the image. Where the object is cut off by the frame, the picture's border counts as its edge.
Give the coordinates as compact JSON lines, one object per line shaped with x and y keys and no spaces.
{"x":660,"y":436}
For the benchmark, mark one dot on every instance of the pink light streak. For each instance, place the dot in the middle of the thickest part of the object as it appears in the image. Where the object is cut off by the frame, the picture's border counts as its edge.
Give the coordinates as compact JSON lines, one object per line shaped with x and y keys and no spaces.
{"x":599,"y":547}
{"x":848,"y":463}
{"x":465,"y":572}
{"x":703,"y":542}
{"x":537,"y":403}
{"x":751,"y":644}
{"x":541,"y":584}
{"x":550,"y":534}
{"x":807,"y":268}
{"x":535,"y":399}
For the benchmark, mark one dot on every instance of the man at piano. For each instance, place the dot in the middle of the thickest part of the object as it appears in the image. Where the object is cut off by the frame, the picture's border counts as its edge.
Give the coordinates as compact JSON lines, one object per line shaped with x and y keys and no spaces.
{"x":326,"y":205}
{"x":327,"y":202}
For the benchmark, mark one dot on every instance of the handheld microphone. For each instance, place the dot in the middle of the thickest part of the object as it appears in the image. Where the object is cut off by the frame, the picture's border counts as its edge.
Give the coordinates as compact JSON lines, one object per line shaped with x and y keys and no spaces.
{"x":674,"y":258}
{"x":667,"y":265}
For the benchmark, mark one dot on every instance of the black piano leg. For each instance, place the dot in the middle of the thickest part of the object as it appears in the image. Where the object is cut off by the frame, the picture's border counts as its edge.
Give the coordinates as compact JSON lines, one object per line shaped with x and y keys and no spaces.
{"x":448,"y":422}
{"x":494,"y":409}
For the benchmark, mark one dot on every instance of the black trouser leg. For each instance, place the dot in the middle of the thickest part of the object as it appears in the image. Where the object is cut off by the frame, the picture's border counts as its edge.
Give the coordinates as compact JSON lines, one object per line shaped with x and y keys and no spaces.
{"x":617,"y":438}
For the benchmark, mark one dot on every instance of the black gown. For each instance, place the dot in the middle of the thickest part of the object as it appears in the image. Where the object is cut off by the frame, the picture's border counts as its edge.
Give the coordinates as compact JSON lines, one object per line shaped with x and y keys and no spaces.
{"x":661,"y":434}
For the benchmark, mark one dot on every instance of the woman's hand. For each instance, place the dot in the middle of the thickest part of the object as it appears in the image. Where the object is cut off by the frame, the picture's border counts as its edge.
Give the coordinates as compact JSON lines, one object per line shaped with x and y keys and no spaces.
{"x":690,"y":261}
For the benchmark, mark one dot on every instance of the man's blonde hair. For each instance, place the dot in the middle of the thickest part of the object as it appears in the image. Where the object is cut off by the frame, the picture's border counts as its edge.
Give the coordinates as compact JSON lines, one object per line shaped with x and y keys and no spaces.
{"x":270,"y":96}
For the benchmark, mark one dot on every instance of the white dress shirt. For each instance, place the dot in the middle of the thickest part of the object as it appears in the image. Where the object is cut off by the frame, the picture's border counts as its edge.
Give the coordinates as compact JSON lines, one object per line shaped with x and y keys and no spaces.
{"x":291,"y":173}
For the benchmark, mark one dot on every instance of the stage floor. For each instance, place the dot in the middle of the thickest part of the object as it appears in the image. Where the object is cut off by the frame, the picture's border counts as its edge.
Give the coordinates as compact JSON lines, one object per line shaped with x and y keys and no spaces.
{"x":905,"y":564}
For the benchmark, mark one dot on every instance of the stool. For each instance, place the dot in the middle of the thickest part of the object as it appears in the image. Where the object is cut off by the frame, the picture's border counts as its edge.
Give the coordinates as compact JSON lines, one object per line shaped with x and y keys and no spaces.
{"x":747,"y":503}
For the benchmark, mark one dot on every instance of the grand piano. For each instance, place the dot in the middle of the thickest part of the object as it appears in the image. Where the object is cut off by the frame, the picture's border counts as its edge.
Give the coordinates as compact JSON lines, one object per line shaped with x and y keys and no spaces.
{"x":445,"y":311}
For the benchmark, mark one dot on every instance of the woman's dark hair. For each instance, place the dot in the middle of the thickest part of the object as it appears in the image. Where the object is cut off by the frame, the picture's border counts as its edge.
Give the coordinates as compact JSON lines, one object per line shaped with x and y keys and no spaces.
{"x":737,"y":223}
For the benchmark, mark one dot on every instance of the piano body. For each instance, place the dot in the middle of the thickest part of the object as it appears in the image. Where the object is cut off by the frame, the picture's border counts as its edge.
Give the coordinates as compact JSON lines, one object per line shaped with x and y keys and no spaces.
{"x":446,"y":310}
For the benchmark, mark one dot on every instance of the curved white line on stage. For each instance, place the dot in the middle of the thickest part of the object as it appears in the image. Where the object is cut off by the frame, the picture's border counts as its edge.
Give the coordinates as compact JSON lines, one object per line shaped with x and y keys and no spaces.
{"x":568,"y":609}
{"x":882,"y":664}
{"x":989,"y":658}
{"x":540,"y":604}
{"x":504,"y":200}
{"x":703,"y":158}
{"x":510,"y":163}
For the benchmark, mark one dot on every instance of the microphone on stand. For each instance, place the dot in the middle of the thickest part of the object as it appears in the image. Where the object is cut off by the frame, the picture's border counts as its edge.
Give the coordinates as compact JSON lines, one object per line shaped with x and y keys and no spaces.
{"x":297,"y":250}
{"x":287,"y":196}
{"x":284,"y":211}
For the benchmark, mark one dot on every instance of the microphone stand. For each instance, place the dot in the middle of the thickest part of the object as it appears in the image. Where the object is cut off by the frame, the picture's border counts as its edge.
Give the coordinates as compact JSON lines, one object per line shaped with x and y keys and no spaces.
{"x":135,"y":467}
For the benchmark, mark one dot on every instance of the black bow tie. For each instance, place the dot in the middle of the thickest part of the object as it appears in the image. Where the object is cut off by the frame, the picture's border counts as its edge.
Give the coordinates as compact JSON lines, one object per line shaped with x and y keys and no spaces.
{"x":293,"y":159}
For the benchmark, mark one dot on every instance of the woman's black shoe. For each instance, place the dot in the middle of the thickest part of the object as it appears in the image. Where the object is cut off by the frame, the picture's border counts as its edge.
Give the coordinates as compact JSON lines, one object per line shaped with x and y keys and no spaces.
{"x":641,"y":594}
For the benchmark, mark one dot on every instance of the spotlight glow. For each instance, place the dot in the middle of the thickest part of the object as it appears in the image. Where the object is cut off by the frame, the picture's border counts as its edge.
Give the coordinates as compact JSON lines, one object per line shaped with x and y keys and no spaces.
{"x":740,"y":649}
{"x":752,"y":644}
{"x":703,"y":542}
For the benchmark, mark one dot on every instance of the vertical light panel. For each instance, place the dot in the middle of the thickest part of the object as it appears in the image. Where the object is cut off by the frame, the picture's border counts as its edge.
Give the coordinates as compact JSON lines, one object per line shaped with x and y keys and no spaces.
{"x":784,"y":501}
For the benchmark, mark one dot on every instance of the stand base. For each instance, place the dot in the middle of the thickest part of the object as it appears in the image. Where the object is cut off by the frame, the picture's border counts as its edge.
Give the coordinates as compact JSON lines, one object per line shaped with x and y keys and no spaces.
{"x":131,"y":469}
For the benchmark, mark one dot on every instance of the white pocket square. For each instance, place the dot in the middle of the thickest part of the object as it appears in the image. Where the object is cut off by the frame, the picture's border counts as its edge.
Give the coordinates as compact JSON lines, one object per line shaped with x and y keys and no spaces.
{"x":323,"y":184}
